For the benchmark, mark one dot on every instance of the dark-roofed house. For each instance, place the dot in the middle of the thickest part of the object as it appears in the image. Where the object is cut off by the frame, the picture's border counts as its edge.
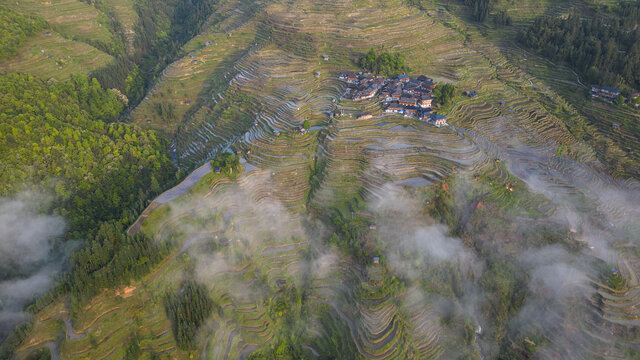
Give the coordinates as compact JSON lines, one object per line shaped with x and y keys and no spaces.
{"x":605,"y":92}
{"x":425,"y":101}
{"x":429,"y":85}
{"x":426,"y":116}
{"x":410,"y":111}
{"x":420,"y":91}
{"x":403,"y":78}
{"x":409,"y":88}
{"x":609,"y":91}
{"x":407,"y":101}
{"x":366,"y":93}
{"x":439,"y":120}
{"x":394,"y":109}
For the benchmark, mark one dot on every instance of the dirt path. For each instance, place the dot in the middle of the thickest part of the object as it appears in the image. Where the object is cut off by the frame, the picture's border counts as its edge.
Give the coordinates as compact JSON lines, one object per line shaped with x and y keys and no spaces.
{"x":72,"y":335}
{"x":53,"y":347}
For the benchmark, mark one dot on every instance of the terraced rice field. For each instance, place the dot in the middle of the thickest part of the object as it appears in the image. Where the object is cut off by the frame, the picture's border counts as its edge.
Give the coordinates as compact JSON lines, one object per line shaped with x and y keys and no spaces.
{"x":55,"y":57}
{"x":72,"y":18}
{"x":508,"y":122}
{"x":260,"y":77}
{"x":66,"y":48}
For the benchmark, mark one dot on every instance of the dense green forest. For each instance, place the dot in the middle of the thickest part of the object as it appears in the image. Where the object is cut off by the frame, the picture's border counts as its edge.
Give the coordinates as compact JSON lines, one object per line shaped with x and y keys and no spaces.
{"x":444,"y":94}
{"x":188,"y":308}
{"x":61,"y":139}
{"x":385,"y":63}
{"x":479,"y":9}
{"x":604,"y":49}
{"x":111,"y":259}
{"x":14,"y":29}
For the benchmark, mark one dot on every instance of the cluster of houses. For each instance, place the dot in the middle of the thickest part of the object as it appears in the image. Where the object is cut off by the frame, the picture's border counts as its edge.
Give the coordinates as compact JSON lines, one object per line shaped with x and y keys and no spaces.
{"x":402,"y":94}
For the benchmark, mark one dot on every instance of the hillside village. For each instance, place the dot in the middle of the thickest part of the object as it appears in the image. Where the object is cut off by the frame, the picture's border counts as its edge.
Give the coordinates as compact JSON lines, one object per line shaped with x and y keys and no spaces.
{"x":402,"y":94}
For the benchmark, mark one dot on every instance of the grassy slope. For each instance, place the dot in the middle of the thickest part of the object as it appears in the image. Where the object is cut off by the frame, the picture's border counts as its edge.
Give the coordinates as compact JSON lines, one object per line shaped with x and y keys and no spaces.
{"x":74,"y":25}
{"x":60,"y":59}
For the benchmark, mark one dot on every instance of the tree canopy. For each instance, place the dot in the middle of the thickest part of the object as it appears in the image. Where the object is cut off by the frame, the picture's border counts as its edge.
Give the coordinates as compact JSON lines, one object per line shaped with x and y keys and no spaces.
{"x":444,"y":94}
{"x":479,"y":9}
{"x":604,"y":49}
{"x":385,"y":63}
{"x":187,"y":309}
{"x":60,"y":138}
{"x":111,"y":259}
{"x":225,"y":161}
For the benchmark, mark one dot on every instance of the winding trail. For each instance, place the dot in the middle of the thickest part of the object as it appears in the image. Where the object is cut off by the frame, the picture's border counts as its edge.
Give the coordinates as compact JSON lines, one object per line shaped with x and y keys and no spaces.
{"x":71,"y":334}
{"x":52,"y":345}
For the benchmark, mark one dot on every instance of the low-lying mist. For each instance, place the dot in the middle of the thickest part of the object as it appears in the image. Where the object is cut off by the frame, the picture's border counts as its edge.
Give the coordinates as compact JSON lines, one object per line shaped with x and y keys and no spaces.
{"x":29,"y":259}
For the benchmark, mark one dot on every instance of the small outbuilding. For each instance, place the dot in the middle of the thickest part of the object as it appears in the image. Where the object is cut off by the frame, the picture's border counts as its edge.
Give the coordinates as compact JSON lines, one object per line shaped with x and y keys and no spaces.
{"x":281,"y":283}
{"x":376,"y":260}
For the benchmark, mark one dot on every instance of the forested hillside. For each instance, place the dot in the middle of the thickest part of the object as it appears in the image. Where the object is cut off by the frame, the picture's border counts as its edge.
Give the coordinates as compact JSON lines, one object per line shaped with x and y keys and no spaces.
{"x":604,"y":49}
{"x":110,"y":259}
{"x":61,"y":138}
{"x":163,"y":27}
